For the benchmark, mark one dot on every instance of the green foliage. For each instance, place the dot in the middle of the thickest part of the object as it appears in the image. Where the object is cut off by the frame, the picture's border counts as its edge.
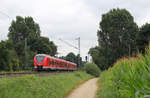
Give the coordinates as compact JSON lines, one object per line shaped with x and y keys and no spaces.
{"x":116,"y":38}
{"x":42,"y":45}
{"x":107,"y":89}
{"x":14,"y":54}
{"x":26,"y":28}
{"x":22,"y":28}
{"x":129,"y":78}
{"x":100,"y":58}
{"x":32,"y":86}
{"x":8,"y":57}
{"x":73,"y":58}
{"x":92,"y":69}
{"x":143,"y":37}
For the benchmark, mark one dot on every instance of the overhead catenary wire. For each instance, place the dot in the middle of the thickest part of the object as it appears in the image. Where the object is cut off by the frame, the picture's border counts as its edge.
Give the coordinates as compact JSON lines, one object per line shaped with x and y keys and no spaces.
{"x":68,"y":43}
{"x":56,"y":39}
{"x":1,"y":12}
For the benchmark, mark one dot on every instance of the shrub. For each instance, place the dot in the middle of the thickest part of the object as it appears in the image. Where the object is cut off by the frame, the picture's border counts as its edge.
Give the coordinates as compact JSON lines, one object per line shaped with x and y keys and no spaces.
{"x":92,"y":69}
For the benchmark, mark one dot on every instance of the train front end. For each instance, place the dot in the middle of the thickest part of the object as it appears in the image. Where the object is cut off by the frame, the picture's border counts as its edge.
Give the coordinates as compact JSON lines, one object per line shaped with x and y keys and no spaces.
{"x":39,"y":61}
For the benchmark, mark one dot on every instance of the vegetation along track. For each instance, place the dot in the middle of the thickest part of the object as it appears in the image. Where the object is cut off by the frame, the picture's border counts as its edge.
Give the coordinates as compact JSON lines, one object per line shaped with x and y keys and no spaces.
{"x":44,"y":73}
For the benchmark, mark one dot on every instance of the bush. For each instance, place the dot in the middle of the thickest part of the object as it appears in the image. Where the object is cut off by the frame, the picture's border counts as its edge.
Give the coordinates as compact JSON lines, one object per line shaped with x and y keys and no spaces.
{"x":92,"y":69}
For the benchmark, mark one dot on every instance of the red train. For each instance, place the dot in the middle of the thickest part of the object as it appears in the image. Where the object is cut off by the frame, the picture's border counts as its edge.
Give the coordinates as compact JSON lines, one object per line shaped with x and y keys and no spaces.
{"x":46,"y":62}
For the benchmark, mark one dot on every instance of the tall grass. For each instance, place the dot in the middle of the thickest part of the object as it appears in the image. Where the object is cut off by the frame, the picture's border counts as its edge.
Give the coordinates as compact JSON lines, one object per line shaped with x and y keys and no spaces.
{"x":32,"y":86}
{"x":128,"y":78}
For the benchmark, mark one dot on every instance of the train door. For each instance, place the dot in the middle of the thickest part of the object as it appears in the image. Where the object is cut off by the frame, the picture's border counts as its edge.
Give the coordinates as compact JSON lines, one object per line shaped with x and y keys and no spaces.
{"x":53,"y":63}
{"x":65,"y":65}
{"x":56,"y":64}
{"x":50,"y":62}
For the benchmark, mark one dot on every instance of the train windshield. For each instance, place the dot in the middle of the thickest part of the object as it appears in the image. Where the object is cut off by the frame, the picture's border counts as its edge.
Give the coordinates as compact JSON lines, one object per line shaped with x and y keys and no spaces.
{"x":40,"y":58}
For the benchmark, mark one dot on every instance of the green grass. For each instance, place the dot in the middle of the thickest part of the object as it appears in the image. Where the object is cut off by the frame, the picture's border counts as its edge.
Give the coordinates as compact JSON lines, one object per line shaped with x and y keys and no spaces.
{"x":31,"y":86}
{"x":128,"y":78}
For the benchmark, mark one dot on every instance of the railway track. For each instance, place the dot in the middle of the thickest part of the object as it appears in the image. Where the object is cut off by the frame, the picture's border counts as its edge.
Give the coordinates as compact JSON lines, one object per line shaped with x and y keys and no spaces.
{"x":17,"y":74}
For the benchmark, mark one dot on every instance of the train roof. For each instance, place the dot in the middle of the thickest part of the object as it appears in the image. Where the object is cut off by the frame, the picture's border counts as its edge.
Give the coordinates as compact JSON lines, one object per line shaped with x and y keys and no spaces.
{"x":54,"y":58}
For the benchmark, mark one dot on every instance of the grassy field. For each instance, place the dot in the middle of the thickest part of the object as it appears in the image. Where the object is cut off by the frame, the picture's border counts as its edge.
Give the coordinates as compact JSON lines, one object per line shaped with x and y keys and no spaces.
{"x":128,"y":78}
{"x":31,"y":86}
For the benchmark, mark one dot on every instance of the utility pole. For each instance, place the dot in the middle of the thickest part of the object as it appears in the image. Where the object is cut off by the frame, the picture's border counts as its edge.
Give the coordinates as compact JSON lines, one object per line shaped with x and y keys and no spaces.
{"x":79,"y":51}
{"x":25,"y":51}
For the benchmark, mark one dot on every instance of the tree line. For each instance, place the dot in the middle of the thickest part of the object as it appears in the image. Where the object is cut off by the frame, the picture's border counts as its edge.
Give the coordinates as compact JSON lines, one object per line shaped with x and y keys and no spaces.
{"x":73,"y":58}
{"x":118,"y":36}
{"x":24,"y":42}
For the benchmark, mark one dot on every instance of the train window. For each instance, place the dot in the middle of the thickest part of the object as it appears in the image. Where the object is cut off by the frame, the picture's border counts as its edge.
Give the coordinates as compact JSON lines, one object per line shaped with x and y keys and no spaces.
{"x":40,"y":58}
{"x":65,"y":65}
{"x":52,"y":62}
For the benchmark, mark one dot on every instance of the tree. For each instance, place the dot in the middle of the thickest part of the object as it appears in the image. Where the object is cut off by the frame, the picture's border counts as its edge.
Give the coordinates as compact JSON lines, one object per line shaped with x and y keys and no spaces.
{"x":62,"y":57}
{"x":22,"y":28}
{"x":26,"y":31}
{"x":9,"y":60}
{"x":100,"y":58}
{"x":116,"y":37}
{"x":43,"y":45}
{"x":95,"y":53}
{"x":71,"y":57}
{"x":143,"y":37}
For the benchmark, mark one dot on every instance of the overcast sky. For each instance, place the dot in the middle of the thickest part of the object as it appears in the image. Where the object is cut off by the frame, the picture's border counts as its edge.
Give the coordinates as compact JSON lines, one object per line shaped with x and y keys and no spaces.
{"x":69,"y":19}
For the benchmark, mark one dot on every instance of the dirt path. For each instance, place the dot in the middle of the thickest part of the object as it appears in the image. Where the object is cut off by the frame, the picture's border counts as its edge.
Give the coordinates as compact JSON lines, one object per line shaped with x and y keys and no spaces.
{"x":86,"y":90}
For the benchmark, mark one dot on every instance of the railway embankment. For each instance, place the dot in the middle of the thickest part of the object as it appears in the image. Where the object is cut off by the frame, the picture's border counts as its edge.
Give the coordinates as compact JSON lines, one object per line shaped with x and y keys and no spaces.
{"x":32,"y":86}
